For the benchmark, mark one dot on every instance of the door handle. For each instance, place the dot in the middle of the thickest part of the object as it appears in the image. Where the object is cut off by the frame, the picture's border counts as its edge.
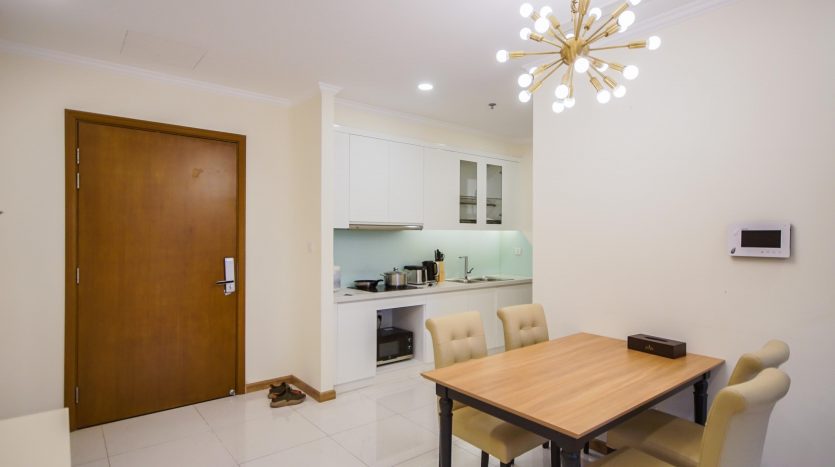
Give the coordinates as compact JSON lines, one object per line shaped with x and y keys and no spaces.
{"x":229,"y":272}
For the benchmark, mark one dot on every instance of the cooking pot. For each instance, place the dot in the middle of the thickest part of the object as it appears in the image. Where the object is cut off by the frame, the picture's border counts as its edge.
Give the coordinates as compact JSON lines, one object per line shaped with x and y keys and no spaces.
{"x":395,"y":278}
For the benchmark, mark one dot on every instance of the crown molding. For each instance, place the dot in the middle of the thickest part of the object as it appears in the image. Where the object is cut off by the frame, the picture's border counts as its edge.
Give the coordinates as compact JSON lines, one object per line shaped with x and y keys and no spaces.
{"x":426,"y":120}
{"x":689,"y":10}
{"x":71,"y":59}
{"x":329,"y":88}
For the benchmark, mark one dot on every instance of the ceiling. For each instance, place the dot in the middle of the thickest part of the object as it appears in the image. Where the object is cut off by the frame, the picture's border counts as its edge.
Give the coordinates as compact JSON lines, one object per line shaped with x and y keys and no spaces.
{"x":377,"y":51}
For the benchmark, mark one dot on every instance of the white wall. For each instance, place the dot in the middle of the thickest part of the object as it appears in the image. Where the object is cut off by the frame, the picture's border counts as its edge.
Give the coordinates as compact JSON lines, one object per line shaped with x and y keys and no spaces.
{"x":280,"y":222}
{"x":358,"y":116}
{"x":728,"y":122}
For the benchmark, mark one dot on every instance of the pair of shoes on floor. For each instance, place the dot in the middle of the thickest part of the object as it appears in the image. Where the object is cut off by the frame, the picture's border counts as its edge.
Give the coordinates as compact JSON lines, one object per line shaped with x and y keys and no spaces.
{"x":282,"y":395}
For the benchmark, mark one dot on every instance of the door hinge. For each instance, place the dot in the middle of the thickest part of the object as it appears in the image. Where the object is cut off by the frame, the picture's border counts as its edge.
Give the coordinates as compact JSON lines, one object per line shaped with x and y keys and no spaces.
{"x":77,"y":275}
{"x":77,"y":156}
{"x":76,"y":394}
{"x":77,"y":180}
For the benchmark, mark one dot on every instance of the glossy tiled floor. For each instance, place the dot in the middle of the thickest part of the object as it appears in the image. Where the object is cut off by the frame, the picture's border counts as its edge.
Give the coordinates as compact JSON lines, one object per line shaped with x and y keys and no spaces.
{"x":390,"y":422}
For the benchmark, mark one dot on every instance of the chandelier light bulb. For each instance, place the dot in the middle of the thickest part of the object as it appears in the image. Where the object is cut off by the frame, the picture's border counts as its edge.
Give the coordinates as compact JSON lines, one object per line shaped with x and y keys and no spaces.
{"x":524,"y":96}
{"x":525,"y":80}
{"x":634,"y":2}
{"x":622,"y":29}
{"x":601,"y":66}
{"x":570,"y":35}
{"x":630,"y":72}
{"x":502,"y":56}
{"x":532,"y":69}
{"x":604,"y":96}
{"x":581,"y":65}
{"x":525,"y":33}
{"x":619,"y":91}
{"x":562,"y":91}
{"x":569,"y":102}
{"x":545,"y":11}
{"x":626,"y":19}
{"x":595,"y":13}
{"x":653,"y":43}
{"x":541,"y":25}
{"x":525,"y":10}
{"x":558,"y":107}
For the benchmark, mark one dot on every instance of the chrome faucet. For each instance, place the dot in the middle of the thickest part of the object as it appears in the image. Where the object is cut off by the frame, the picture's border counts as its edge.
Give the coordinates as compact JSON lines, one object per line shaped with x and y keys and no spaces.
{"x":467,"y":269}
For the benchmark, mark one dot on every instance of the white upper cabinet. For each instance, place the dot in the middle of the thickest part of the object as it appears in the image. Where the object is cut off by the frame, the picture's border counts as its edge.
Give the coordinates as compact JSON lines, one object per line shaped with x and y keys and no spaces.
{"x":379,"y":181}
{"x":341,"y":169}
{"x":369,"y":180}
{"x":440,"y":193}
{"x":405,"y":183}
{"x":385,"y":182}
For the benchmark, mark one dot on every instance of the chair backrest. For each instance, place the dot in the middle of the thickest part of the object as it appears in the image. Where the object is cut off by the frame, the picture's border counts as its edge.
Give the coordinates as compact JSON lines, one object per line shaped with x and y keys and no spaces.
{"x":457,"y":338}
{"x":738,"y":420}
{"x":773,"y":354}
{"x":523,"y":325}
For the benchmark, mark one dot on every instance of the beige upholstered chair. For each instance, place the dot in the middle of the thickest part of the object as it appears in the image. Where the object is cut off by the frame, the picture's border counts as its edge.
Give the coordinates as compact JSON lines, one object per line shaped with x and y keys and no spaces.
{"x":459,"y":338}
{"x":735,"y":431}
{"x":523,"y":325}
{"x":676,"y":440}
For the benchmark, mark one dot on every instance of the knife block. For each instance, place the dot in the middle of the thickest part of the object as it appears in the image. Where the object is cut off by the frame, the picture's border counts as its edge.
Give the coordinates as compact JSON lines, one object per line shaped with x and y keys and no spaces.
{"x":441,"y":272}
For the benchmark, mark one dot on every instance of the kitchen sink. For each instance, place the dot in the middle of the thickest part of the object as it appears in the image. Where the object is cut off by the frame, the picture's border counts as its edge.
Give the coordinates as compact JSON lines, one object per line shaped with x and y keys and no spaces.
{"x":479,"y":279}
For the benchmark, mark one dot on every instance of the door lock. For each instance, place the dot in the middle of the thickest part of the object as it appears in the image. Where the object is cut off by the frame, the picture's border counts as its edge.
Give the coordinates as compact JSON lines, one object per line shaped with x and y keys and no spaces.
{"x":229,"y":272}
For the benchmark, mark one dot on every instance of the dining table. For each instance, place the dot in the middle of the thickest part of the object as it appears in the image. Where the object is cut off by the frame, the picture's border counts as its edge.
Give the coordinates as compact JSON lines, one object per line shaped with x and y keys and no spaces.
{"x":568,"y":390}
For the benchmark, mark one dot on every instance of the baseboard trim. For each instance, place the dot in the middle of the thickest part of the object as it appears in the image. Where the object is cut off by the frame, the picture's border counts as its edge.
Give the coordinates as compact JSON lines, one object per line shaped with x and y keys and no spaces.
{"x":292,"y":379}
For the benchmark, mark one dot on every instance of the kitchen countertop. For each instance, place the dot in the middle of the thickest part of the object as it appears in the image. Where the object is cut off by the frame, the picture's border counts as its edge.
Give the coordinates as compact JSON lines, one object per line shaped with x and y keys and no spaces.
{"x":346,"y":295}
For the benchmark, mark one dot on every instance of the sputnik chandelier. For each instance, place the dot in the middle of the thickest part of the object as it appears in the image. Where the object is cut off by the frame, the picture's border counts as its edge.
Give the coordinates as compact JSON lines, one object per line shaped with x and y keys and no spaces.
{"x":576,"y":51}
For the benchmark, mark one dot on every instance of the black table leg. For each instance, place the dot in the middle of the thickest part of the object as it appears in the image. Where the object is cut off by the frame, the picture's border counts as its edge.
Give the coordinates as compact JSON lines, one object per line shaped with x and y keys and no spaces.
{"x":700,"y":399}
{"x":571,"y":458}
{"x":445,"y":452}
{"x":555,"y":455}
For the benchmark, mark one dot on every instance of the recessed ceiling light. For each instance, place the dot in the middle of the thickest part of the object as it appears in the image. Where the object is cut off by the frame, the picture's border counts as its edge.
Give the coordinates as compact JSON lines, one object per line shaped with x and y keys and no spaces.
{"x":426,"y":86}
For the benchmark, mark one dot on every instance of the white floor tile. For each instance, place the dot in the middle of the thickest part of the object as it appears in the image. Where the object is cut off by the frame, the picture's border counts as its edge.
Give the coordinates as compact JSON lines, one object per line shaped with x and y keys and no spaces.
{"x":379,"y":390}
{"x":425,"y":416}
{"x":388,"y":442}
{"x":255,"y":438}
{"x":460,"y":458}
{"x":344,"y":412}
{"x":321,"y":453}
{"x":200,"y":450}
{"x":233,"y":410}
{"x":87,"y":445}
{"x":419,"y":395}
{"x":140,"y":432}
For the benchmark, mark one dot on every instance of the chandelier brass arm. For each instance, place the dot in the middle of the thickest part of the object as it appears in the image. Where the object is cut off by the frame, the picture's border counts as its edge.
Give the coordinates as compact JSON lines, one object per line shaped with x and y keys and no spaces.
{"x":575,"y":50}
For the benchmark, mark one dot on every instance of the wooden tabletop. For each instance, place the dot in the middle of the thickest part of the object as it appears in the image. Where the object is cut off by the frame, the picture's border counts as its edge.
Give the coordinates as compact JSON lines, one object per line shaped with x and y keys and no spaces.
{"x":574,"y":384}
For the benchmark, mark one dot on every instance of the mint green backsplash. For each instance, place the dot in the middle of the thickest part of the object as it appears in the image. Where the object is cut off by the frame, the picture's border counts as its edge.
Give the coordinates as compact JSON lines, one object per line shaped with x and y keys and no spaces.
{"x":366,"y":254}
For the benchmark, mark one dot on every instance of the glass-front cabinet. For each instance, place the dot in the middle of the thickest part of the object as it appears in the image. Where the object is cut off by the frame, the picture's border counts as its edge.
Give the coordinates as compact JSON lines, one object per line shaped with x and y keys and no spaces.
{"x":494,"y":194}
{"x":468,"y":192}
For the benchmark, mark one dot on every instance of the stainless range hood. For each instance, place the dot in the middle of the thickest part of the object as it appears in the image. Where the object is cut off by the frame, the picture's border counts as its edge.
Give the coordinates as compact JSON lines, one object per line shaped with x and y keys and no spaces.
{"x":388,"y":227}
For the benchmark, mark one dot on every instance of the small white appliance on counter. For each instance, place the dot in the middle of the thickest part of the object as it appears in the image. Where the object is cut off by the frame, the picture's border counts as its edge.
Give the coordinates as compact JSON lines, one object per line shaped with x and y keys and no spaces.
{"x":760,"y":240}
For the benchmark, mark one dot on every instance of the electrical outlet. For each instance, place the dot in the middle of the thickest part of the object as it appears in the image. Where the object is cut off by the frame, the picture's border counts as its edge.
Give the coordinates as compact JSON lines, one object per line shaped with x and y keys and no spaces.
{"x":517,"y":251}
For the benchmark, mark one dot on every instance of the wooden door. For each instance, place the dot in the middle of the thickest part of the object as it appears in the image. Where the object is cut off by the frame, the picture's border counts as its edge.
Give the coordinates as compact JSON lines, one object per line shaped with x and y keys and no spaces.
{"x":157,"y":212}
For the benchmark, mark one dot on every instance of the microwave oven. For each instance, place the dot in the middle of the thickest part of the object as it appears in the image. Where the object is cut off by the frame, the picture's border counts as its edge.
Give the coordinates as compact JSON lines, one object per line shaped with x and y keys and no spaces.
{"x":760,"y":240}
{"x":394,"y":345}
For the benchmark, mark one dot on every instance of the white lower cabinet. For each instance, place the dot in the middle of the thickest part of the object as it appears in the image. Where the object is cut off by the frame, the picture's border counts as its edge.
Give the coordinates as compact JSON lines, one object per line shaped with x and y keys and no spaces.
{"x":484,"y":301}
{"x":356,"y":341}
